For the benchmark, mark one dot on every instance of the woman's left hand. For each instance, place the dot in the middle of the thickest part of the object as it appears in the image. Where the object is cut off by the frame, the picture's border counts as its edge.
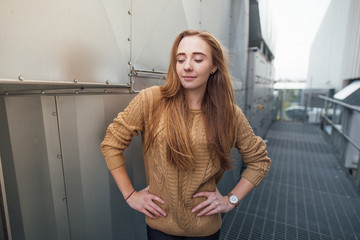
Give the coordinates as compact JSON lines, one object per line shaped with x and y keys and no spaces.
{"x":215,"y":203}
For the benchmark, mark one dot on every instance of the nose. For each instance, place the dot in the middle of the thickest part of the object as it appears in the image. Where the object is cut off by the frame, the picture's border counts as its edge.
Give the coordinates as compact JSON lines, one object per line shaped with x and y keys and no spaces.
{"x":188,"y":65}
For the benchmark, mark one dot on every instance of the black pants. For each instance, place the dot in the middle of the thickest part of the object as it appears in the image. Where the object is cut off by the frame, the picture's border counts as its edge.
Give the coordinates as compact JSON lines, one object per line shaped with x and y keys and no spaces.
{"x":153,"y":234}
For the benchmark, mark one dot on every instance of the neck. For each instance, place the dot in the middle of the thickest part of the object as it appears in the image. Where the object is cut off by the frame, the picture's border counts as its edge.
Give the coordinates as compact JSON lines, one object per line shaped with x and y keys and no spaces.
{"x":194,"y":98}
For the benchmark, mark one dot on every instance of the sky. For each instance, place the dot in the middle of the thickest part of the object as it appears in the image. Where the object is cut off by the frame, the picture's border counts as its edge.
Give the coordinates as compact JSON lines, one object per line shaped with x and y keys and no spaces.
{"x":297,"y":22}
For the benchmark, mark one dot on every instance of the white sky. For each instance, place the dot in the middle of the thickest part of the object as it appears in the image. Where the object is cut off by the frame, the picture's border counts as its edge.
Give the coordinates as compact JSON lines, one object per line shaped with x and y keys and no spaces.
{"x":297,"y":22}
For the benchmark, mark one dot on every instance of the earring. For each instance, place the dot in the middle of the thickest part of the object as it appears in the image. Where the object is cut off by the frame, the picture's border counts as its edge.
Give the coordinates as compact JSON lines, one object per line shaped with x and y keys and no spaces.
{"x":212,"y":72}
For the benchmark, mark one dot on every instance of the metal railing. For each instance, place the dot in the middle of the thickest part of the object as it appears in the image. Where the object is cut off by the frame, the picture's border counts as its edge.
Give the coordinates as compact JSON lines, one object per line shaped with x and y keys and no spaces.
{"x":341,"y":127}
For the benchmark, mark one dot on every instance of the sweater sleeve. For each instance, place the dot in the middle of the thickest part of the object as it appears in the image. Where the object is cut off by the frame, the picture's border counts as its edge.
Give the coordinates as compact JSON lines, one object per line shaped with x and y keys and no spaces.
{"x":120,"y":132}
{"x":252,"y":149}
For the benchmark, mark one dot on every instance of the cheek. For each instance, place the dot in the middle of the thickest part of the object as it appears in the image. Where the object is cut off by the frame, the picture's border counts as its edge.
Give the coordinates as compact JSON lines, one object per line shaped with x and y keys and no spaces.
{"x":206,"y":74}
{"x":179,"y":71}
{"x":206,"y":70}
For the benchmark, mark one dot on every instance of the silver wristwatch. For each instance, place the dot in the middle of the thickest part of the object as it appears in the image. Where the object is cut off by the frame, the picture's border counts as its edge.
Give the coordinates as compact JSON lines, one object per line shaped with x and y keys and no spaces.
{"x":233,"y":199}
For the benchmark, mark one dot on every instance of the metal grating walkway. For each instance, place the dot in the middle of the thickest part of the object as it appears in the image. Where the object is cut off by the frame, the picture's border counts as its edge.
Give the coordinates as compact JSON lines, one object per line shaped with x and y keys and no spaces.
{"x":306,"y":194}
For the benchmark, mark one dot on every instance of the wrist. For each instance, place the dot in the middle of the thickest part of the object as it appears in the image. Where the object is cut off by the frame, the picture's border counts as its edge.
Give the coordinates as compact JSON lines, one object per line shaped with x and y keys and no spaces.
{"x":130,"y":195}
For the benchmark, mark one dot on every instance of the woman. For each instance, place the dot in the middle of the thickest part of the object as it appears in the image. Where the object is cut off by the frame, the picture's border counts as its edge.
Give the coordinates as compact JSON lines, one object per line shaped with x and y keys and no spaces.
{"x":188,"y":128}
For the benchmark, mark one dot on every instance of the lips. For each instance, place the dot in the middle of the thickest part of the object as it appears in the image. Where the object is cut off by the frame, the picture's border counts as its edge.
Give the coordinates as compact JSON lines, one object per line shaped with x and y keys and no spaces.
{"x":189,"y":78}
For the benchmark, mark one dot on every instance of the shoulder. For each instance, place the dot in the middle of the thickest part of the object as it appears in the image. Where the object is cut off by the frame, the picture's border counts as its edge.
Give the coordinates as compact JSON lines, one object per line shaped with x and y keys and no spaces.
{"x":151,"y":94}
{"x":238,"y":112}
{"x":150,"y":97}
{"x":240,"y":118}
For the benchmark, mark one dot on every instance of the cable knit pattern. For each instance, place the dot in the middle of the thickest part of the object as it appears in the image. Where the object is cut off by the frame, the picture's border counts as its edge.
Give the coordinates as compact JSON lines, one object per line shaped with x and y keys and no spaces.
{"x":176,"y":188}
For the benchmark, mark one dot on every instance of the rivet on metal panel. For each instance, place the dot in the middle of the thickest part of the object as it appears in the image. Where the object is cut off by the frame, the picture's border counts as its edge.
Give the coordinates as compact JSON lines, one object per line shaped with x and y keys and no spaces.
{"x":54,"y":114}
{"x":21,"y":78}
{"x":129,"y":63}
{"x":105,"y":91}
{"x":59,"y":156}
{"x":6,"y":93}
{"x":64,"y":199}
{"x":75,"y":80}
{"x":129,"y":74}
{"x":129,"y":39}
{"x":107,"y":82}
{"x":42,"y":92}
{"x":76,"y":92}
{"x":129,"y":12}
{"x":153,"y":70}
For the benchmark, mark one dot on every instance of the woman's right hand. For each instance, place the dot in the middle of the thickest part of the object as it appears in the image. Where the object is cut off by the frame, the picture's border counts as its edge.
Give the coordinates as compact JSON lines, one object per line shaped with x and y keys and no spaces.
{"x":143,"y":201}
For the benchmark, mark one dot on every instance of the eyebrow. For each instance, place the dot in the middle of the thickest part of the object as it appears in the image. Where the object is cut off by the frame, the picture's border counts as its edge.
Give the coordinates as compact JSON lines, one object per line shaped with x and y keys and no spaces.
{"x":194,"y":53}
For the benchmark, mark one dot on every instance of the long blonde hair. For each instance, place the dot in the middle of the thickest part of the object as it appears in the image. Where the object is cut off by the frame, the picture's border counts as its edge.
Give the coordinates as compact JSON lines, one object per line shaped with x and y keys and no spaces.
{"x":217,"y":107}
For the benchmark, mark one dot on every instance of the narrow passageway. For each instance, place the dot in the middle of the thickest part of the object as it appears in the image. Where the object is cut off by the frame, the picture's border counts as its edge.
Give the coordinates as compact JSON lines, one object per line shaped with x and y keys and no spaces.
{"x":306,"y":195}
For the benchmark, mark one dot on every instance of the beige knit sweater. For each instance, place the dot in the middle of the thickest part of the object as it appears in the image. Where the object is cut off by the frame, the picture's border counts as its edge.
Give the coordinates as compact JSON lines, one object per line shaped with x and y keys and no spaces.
{"x":176,"y":188}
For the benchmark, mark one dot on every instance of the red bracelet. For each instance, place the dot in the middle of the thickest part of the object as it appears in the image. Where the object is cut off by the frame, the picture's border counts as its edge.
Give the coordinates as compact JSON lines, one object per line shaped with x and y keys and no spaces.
{"x":129,"y":195}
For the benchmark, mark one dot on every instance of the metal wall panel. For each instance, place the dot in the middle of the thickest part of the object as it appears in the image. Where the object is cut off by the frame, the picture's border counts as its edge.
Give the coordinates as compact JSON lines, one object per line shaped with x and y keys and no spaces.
{"x":8,"y":172}
{"x":192,"y":10}
{"x":81,"y":121}
{"x":215,"y":17}
{"x":63,"y":40}
{"x":63,"y":189}
{"x":32,"y":213}
{"x":118,"y":13}
{"x":96,"y":208}
{"x":155,"y":25}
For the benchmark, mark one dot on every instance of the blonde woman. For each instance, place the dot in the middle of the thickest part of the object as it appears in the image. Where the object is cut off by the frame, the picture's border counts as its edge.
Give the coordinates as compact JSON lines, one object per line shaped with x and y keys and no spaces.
{"x":188,"y":127}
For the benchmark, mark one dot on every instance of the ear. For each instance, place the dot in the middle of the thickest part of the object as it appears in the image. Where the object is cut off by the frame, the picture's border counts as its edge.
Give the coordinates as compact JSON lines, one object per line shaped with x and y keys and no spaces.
{"x":213,"y":70}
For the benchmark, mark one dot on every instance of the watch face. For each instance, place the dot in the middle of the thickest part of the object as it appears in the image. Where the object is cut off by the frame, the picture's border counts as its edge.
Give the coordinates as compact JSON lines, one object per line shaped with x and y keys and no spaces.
{"x":233,"y":199}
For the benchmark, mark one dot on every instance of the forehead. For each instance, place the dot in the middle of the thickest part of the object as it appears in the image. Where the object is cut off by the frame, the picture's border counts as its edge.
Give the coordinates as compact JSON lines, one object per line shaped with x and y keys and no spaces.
{"x":193,"y":44}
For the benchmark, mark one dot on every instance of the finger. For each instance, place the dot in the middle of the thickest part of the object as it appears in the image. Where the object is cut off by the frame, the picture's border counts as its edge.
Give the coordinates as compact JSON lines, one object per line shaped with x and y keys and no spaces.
{"x":157,"y":210}
{"x":202,"y":194}
{"x":209,"y":211}
{"x":215,"y":211}
{"x":152,"y":211}
{"x":156,"y":198}
{"x":202,"y":205}
{"x":147,"y":213}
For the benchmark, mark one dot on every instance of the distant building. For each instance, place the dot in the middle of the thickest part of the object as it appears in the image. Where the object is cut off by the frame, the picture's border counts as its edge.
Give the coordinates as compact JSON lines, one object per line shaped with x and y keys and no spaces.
{"x":335,"y":52}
